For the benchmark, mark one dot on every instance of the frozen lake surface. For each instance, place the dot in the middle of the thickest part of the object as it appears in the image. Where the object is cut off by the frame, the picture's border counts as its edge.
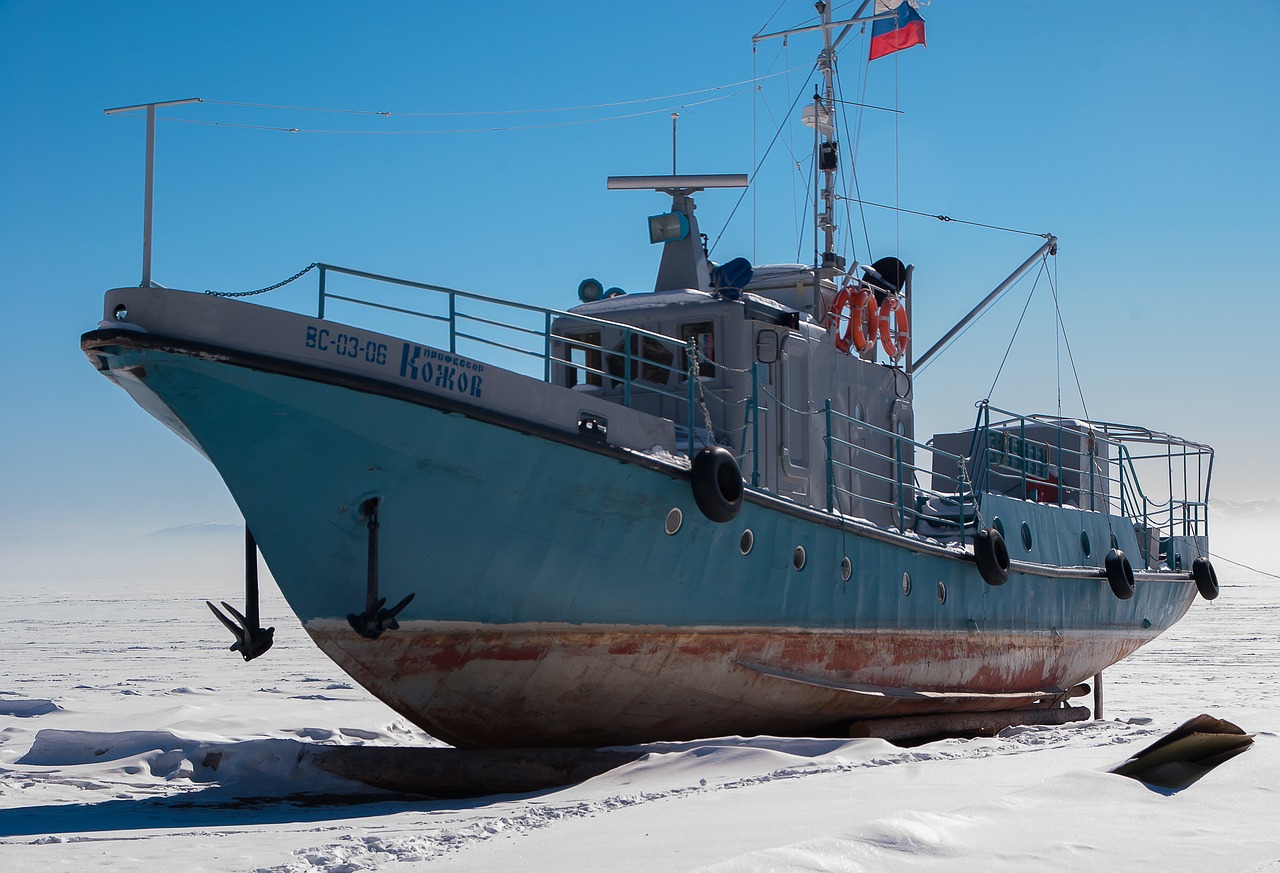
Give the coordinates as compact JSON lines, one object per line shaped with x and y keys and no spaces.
{"x":130,"y":739}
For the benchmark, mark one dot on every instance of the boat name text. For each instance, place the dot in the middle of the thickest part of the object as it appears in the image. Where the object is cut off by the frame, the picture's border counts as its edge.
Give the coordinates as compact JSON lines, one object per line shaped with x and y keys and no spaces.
{"x":440,"y":369}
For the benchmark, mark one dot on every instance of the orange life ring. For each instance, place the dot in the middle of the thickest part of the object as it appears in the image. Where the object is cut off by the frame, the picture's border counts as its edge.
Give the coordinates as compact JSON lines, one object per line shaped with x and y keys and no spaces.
{"x":837,"y":312}
{"x":894,"y":337}
{"x":862,"y":326}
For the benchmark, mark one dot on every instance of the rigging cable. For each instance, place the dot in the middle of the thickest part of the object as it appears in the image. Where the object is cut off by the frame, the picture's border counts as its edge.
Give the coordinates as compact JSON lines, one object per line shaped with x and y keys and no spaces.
{"x":1016,"y":328}
{"x":446,"y":130}
{"x":1067,"y":343}
{"x":477,"y":112}
{"x":948,"y":218}
{"x":751,"y":184}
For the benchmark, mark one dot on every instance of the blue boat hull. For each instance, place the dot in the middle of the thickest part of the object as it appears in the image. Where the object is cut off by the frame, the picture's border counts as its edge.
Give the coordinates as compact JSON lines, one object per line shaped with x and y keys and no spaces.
{"x":552,"y":606}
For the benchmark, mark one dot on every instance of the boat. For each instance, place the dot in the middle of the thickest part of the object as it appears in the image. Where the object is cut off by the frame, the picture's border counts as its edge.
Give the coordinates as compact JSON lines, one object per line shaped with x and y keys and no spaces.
{"x":694,"y":511}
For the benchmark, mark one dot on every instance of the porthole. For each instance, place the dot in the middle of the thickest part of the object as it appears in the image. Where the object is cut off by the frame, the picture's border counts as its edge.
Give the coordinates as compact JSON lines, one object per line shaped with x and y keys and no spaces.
{"x":906,"y":584}
{"x":999,"y":526}
{"x":798,"y":558}
{"x":1085,"y":546}
{"x":746,"y":542}
{"x":846,"y":568}
{"x":1026,"y":536}
{"x":121,"y":312}
{"x":942,"y":591}
{"x":675,"y":518}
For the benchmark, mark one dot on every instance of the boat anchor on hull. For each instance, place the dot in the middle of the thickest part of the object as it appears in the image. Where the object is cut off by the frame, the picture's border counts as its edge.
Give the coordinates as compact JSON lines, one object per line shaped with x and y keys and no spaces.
{"x":376,"y":618}
{"x":252,"y":639}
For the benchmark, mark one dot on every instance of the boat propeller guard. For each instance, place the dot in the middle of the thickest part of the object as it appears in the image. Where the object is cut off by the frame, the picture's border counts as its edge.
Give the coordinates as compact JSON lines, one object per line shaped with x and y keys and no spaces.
{"x":376,"y":618}
{"x":252,"y":639}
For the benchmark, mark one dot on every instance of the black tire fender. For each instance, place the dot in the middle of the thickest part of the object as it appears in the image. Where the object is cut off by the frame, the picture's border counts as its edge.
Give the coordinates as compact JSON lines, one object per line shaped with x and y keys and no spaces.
{"x":991,"y":555}
{"x":1206,"y":578}
{"x":717,"y":483}
{"x":1119,"y":574}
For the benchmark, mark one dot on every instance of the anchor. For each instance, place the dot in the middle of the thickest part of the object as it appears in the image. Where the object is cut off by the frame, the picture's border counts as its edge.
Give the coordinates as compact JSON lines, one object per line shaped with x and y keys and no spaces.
{"x":376,"y":618}
{"x":252,"y":639}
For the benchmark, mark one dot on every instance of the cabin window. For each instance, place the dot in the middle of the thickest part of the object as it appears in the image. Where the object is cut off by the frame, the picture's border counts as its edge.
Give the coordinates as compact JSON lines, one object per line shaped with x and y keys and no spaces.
{"x":703,"y":333}
{"x":584,"y":359}
{"x":651,"y":361}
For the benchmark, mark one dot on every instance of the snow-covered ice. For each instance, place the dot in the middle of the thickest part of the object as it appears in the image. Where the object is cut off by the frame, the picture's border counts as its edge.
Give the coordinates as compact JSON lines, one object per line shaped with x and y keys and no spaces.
{"x":131,"y":739}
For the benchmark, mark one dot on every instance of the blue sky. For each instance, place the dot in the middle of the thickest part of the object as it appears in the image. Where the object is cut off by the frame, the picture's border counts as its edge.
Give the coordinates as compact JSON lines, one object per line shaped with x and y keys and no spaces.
{"x":1145,"y":139}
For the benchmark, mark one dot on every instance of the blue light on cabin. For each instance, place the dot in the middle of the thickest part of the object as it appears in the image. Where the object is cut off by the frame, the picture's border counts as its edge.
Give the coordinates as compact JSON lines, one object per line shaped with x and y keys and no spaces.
{"x":731,"y":277}
{"x":615,"y":291}
{"x":590,"y":290}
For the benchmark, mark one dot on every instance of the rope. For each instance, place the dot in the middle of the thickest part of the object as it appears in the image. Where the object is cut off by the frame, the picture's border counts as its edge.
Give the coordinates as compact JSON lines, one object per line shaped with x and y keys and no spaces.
{"x":297,"y":275}
{"x":481,"y":112}
{"x":502,"y":129}
{"x":948,"y":218}
{"x":1245,"y":566}
{"x":1016,"y":328}
{"x":763,"y":158}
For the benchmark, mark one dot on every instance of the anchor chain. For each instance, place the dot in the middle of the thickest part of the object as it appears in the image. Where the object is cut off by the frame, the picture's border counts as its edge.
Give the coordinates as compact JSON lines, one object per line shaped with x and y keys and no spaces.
{"x":297,"y":275}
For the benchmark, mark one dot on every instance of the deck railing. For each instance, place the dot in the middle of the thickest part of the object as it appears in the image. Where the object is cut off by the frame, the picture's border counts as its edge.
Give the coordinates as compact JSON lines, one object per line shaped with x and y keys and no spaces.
{"x":1107,"y":472}
{"x":520,"y":335}
{"x":914,"y":483}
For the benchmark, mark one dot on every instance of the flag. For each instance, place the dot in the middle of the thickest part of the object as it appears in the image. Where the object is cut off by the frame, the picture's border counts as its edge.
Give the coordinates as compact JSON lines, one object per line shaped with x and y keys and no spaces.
{"x":903,"y":30}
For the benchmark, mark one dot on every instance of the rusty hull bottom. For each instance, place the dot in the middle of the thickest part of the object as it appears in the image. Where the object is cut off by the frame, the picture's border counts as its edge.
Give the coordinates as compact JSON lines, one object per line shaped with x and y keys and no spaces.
{"x":526,"y":686}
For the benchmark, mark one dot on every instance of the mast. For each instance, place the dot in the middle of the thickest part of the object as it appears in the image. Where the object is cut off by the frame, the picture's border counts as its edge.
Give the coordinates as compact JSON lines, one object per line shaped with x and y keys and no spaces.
{"x":826,"y":159}
{"x":820,"y":116}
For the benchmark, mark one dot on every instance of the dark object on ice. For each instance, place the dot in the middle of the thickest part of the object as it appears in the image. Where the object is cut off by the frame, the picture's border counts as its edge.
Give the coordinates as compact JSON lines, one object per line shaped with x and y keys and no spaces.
{"x":252,"y":639}
{"x":915,"y":728}
{"x":1192,"y":750}
{"x":450,"y":774}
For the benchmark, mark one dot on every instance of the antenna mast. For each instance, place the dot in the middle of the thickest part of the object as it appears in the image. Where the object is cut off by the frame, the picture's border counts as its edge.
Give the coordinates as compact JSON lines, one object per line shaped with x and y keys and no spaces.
{"x":826,"y":159}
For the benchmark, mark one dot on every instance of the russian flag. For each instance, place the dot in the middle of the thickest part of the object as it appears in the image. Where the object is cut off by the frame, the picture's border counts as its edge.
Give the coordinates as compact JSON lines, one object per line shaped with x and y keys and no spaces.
{"x":903,"y":30}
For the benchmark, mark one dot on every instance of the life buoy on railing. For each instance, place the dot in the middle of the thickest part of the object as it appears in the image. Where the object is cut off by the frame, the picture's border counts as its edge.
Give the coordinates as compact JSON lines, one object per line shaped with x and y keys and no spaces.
{"x":853,"y":319}
{"x":895,"y":330}
{"x":841,"y":311}
{"x":861,"y":331}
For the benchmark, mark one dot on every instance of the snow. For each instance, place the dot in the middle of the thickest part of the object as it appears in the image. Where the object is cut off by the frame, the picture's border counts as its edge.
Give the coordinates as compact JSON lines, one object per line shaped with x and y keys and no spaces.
{"x":131,"y":739}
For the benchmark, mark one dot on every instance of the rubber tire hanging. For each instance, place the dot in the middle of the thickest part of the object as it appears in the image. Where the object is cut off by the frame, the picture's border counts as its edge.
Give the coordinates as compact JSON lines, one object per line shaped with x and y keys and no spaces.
{"x":992,"y":556}
{"x":1119,"y":574}
{"x":716,"y":482}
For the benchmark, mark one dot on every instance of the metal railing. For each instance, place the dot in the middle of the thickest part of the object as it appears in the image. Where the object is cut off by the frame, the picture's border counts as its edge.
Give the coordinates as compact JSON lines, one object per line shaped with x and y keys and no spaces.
{"x":539,"y":341}
{"x":1095,"y":465}
{"x":900,"y":476}
{"x":867,"y":467}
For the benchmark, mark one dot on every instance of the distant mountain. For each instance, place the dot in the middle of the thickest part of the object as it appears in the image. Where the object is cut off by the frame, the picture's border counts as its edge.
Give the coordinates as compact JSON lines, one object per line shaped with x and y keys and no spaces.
{"x":204,"y":529}
{"x":1244,"y":510}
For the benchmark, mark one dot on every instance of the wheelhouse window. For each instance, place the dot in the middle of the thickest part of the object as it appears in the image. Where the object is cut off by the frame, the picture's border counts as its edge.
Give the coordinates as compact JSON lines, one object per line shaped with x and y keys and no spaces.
{"x":651,"y":360}
{"x":703,"y":333}
{"x":584,"y":359}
